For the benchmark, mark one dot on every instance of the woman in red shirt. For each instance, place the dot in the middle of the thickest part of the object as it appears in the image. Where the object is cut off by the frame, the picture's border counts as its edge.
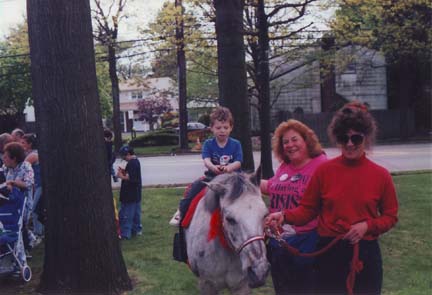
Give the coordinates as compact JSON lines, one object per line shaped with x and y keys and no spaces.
{"x":351,"y":196}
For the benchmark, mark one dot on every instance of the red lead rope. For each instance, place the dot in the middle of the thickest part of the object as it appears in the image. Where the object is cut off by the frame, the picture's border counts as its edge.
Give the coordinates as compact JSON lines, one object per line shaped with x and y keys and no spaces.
{"x":356,"y":263}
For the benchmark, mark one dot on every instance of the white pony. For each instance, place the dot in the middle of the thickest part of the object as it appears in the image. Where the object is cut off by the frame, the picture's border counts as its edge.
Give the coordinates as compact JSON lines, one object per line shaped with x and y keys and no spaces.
{"x":225,"y":242}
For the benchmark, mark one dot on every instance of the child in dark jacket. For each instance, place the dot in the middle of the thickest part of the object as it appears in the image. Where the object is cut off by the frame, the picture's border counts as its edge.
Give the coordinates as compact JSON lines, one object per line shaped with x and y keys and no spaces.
{"x":130,"y":194}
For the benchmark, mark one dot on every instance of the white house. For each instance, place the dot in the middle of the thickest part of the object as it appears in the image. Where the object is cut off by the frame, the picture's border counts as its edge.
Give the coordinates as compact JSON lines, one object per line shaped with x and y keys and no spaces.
{"x":360,"y":74}
{"x":133,"y":90}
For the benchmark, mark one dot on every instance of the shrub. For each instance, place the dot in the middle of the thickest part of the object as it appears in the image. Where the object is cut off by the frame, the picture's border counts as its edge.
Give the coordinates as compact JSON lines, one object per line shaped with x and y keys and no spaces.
{"x":205,"y":119}
{"x":155,"y":138}
{"x":170,"y":120}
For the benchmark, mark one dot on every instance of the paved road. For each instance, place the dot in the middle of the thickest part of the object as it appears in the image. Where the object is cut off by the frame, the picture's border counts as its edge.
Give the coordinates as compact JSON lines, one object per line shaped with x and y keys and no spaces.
{"x":186,"y":168}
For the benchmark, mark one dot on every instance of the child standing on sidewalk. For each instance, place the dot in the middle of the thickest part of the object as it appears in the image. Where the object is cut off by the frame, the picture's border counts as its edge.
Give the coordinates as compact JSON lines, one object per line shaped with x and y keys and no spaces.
{"x":130,"y":194}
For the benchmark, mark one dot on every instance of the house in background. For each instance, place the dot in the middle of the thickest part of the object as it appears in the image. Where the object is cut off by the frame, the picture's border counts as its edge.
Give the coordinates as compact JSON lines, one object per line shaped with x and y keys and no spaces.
{"x":358,"y":74}
{"x":133,"y":90}
{"x":197,"y":108}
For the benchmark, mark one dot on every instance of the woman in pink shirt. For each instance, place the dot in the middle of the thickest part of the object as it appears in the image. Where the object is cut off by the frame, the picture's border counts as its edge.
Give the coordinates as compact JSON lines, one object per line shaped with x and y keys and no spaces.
{"x":300,"y":153}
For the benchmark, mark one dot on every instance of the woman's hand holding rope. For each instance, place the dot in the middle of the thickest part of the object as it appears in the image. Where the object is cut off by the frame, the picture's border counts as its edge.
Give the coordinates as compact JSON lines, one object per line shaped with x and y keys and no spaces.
{"x":356,"y":232}
{"x":274,"y":220}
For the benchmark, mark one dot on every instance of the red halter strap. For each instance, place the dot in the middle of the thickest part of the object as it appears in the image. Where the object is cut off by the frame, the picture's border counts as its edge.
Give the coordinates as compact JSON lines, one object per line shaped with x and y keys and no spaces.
{"x":356,"y":264}
{"x":217,"y":229}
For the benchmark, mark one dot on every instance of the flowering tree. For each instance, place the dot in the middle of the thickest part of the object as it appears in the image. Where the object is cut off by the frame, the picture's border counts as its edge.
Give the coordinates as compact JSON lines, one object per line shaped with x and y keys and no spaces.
{"x":152,"y":107}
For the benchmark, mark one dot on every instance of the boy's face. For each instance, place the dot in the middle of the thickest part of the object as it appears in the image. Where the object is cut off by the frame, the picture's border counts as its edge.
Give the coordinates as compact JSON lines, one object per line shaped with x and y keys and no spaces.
{"x":221,"y":130}
{"x":8,"y":161}
{"x":126,"y":157}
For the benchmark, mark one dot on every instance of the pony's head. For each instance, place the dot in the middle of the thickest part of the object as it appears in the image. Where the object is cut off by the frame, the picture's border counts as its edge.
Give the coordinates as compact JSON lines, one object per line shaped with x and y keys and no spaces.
{"x":242,"y":211}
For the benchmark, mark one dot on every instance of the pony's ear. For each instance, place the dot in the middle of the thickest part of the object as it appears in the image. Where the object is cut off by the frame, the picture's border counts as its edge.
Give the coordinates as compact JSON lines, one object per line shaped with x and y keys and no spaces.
{"x":216,"y":190}
{"x":211,"y":201}
{"x":256,"y":177}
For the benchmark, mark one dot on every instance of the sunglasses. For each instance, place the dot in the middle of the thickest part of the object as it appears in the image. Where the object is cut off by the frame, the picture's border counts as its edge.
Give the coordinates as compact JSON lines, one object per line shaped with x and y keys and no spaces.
{"x":356,"y":139}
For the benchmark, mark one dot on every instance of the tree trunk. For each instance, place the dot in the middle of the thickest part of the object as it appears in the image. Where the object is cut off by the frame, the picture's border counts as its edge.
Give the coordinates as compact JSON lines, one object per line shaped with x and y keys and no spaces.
{"x":327,"y":75}
{"x":181,"y":66}
{"x":263,"y":86}
{"x":115,"y":96}
{"x":82,"y":251}
{"x":232,"y":72}
{"x":402,"y":90}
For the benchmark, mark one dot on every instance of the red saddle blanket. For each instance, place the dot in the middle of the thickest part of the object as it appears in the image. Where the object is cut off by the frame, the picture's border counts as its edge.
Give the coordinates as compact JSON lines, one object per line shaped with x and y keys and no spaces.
{"x":190,"y":212}
{"x":216,"y":226}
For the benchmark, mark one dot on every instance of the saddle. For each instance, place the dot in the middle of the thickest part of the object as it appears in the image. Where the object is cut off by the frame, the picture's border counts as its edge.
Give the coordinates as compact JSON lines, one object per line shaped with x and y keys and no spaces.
{"x":191,"y":197}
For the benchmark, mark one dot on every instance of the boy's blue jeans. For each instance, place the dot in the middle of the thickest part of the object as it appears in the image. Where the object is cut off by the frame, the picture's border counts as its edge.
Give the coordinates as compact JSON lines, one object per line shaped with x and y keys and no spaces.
{"x":130,"y":219}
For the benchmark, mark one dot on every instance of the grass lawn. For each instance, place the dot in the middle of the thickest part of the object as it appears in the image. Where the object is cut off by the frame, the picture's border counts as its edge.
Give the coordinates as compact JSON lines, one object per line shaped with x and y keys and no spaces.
{"x":406,"y":249}
{"x":152,"y":150}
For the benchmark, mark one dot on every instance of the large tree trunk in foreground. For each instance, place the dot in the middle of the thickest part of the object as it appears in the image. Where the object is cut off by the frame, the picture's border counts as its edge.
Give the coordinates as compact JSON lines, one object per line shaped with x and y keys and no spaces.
{"x":232,"y":72}
{"x":82,"y":251}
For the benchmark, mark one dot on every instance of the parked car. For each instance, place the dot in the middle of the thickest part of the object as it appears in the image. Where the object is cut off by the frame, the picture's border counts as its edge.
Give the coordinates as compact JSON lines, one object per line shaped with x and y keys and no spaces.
{"x":195,"y":126}
{"x":196,"y":130}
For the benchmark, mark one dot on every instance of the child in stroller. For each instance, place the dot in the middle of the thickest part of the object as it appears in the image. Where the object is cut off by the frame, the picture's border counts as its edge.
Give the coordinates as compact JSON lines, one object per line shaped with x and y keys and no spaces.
{"x":12,"y":254}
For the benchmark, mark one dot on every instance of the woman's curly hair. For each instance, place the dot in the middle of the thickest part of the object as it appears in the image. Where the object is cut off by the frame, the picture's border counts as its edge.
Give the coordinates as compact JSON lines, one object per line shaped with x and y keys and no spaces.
{"x":353,"y":116}
{"x":312,"y":143}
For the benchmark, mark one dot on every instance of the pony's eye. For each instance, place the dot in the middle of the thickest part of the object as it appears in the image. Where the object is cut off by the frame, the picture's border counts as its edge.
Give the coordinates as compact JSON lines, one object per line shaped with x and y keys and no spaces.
{"x":231,"y":220}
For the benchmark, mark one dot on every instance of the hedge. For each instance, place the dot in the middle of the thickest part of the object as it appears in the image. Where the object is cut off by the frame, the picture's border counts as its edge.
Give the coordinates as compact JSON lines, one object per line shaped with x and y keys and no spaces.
{"x":156,"y":138}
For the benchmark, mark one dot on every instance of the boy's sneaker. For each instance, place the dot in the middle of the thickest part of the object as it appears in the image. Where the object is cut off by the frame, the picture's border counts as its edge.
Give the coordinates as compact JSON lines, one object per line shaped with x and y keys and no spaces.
{"x":138,"y":233}
{"x":175,"y":220}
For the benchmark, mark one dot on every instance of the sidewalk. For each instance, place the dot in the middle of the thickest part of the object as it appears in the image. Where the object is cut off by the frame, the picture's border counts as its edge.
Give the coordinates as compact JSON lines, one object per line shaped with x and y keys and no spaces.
{"x":182,"y":169}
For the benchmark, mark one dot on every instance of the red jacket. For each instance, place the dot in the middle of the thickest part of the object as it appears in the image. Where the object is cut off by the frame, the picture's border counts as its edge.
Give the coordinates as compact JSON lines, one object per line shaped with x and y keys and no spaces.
{"x":344,"y":192}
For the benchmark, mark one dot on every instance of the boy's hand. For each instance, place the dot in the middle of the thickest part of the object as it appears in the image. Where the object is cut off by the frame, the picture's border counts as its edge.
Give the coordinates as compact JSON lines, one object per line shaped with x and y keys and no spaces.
{"x":225,"y":169}
{"x":120,"y":172}
{"x":217,"y":169}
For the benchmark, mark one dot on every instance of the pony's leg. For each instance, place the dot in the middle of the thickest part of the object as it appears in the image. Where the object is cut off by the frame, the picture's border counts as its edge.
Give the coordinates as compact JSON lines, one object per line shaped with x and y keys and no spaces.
{"x":207,"y":288}
{"x":242,"y":289}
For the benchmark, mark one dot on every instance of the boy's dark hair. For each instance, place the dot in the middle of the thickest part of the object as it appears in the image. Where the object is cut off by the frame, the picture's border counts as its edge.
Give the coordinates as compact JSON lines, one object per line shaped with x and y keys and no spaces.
{"x":16,"y":151}
{"x":108,"y":133}
{"x":31,"y":139}
{"x":125,"y":150}
{"x":222,"y":114}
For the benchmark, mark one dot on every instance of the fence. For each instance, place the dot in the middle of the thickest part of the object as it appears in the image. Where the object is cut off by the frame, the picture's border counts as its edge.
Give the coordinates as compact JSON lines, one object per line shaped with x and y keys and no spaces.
{"x":392,"y":124}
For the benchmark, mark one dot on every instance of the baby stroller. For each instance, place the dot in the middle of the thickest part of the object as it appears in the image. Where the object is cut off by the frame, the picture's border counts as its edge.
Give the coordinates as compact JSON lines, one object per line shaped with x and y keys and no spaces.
{"x":12,"y":254}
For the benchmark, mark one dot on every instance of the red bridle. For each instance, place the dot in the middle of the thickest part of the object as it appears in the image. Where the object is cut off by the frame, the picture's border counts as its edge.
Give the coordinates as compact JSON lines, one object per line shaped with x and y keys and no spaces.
{"x":217,"y":228}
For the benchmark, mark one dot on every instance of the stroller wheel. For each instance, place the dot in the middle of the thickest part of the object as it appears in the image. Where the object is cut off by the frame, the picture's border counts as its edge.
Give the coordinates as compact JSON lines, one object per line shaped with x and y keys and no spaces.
{"x":26,"y":273}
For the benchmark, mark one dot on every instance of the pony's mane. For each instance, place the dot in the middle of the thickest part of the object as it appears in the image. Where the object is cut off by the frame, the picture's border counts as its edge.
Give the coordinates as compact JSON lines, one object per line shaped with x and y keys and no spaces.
{"x":235,"y":183}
